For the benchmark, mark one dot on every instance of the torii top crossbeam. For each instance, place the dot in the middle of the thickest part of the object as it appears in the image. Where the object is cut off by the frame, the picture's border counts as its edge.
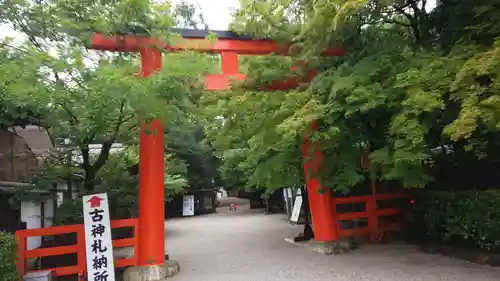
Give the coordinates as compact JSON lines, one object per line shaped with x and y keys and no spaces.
{"x":228,"y":44}
{"x":196,"y":40}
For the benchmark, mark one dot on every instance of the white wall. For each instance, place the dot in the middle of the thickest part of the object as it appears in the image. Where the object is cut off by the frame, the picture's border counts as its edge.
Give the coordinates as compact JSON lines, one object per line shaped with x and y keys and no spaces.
{"x":31,"y":214}
{"x":63,"y":185}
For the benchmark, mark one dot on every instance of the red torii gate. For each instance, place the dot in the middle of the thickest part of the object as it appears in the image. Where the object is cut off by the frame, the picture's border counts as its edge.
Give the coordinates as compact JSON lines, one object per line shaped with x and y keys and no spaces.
{"x":149,"y":232}
{"x":151,"y":166}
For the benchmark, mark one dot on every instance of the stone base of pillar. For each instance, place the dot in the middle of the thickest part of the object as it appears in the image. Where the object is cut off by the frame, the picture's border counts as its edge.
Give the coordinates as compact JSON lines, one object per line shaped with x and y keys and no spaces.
{"x":326,"y":248}
{"x":152,"y":272}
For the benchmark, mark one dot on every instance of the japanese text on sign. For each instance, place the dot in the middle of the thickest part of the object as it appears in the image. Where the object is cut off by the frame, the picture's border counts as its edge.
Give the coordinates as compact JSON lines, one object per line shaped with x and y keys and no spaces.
{"x":98,"y":244}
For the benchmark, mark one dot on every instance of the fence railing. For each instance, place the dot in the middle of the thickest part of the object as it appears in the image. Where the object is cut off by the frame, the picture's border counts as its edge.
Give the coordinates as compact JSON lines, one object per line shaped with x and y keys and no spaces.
{"x":371,"y":213}
{"x":79,"y":248}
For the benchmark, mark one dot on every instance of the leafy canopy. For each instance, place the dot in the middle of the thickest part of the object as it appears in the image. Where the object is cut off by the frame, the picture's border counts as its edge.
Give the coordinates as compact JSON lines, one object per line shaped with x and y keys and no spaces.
{"x":84,"y":97}
{"x":417,"y":90}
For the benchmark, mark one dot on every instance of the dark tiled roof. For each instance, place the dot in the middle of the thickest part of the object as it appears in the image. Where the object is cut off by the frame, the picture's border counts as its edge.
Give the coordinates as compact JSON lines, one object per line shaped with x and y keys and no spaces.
{"x":36,"y":138}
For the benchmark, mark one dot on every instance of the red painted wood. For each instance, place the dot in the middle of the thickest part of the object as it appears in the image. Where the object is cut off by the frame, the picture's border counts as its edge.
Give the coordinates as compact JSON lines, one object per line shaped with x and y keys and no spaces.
{"x":354,"y":232}
{"x":229,"y":63}
{"x":127,"y":242}
{"x":321,"y":205}
{"x":352,"y":216}
{"x":124,"y":223}
{"x":372,"y":213}
{"x":371,"y":209}
{"x":67,"y":270}
{"x":21,"y":249}
{"x":54,"y":230}
{"x":125,"y":262}
{"x":54,"y":251}
{"x":81,"y":256}
{"x":128,"y":43}
{"x":388,"y":196}
{"x":388,"y":212}
{"x":78,"y":248}
{"x":351,"y":199}
{"x":220,"y":82}
{"x":151,"y":240}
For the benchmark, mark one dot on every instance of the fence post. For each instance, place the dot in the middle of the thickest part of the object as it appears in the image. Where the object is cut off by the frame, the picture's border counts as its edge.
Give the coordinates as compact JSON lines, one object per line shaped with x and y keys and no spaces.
{"x":80,"y":241}
{"x":336,"y":225}
{"x":21,"y":249}
{"x":136,"y":240}
{"x":371,"y":207}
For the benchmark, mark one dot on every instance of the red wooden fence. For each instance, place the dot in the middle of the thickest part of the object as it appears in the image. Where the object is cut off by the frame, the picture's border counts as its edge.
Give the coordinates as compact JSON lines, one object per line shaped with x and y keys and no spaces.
{"x":79,"y":248}
{"x":372,"y":213}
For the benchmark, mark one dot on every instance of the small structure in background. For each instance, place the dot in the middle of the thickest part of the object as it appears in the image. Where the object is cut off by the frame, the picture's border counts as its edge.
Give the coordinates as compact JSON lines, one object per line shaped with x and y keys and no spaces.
{"x":188,"y":205}
{"x":297,"y":208}
{"x":288,"y":198}
{"x":203,"y":201}
{"x":22,"y":152}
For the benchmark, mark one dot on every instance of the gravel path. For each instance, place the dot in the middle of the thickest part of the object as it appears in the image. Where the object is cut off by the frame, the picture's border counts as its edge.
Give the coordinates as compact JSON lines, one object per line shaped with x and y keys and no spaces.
{"x":247,"y":245}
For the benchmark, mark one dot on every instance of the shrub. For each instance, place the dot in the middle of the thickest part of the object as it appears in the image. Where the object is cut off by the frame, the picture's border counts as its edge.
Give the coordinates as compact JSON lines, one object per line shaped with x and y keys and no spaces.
{"x":70,"y":212}
{"x":468,"y":218}
{"x":8,"y":270}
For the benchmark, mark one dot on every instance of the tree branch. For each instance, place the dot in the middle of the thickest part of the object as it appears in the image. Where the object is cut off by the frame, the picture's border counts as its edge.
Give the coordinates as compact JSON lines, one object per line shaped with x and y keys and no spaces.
{"x":130,"y":117}
{"x":106,"y":146}
{"x":416,"y":10}
{"x":71,"y":115}
{"x":202,"y":18}
{"x":413,"y":21}
{"x":393,"y":21}
{"x":31,"y":37}
{"x":103,"y":155}
{"x":134,"y":126}
{"x":401,"y":10}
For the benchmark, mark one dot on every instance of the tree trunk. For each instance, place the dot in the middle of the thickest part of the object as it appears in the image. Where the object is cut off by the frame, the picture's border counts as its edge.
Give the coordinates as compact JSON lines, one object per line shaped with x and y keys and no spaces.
{"x":69,"y":191}
{"x":89,"y":181}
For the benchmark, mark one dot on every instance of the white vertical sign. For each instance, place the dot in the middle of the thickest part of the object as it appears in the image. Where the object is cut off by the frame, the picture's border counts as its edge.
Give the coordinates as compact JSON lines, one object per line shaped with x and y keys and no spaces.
{"x":60,"y":198}
{"x":188,"y":205}
{"x":98,"y":244}
{"x":296,"y":209}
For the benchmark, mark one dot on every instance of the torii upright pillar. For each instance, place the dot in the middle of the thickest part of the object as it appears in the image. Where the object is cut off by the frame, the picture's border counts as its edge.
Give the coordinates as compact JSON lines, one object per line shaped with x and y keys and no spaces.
{"x":151,"y":242}
{"x":150,"y":252}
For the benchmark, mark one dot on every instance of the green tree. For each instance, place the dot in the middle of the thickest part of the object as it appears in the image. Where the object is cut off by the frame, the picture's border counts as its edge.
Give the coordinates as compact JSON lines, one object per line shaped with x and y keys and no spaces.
{"x":416,"y":89}
{"x":189,"y":145}
{"x":8,"y":270}
{"x":89,"y":97}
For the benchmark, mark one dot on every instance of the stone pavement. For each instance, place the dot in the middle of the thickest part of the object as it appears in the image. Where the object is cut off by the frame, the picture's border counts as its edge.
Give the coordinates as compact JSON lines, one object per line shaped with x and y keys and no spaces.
{"x":247,"y":245}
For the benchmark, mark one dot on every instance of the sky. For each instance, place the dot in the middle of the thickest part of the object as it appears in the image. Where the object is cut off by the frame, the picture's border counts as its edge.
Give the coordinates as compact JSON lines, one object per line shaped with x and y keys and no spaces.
{"x":217,"y":16}
{"x":217,"y":13}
